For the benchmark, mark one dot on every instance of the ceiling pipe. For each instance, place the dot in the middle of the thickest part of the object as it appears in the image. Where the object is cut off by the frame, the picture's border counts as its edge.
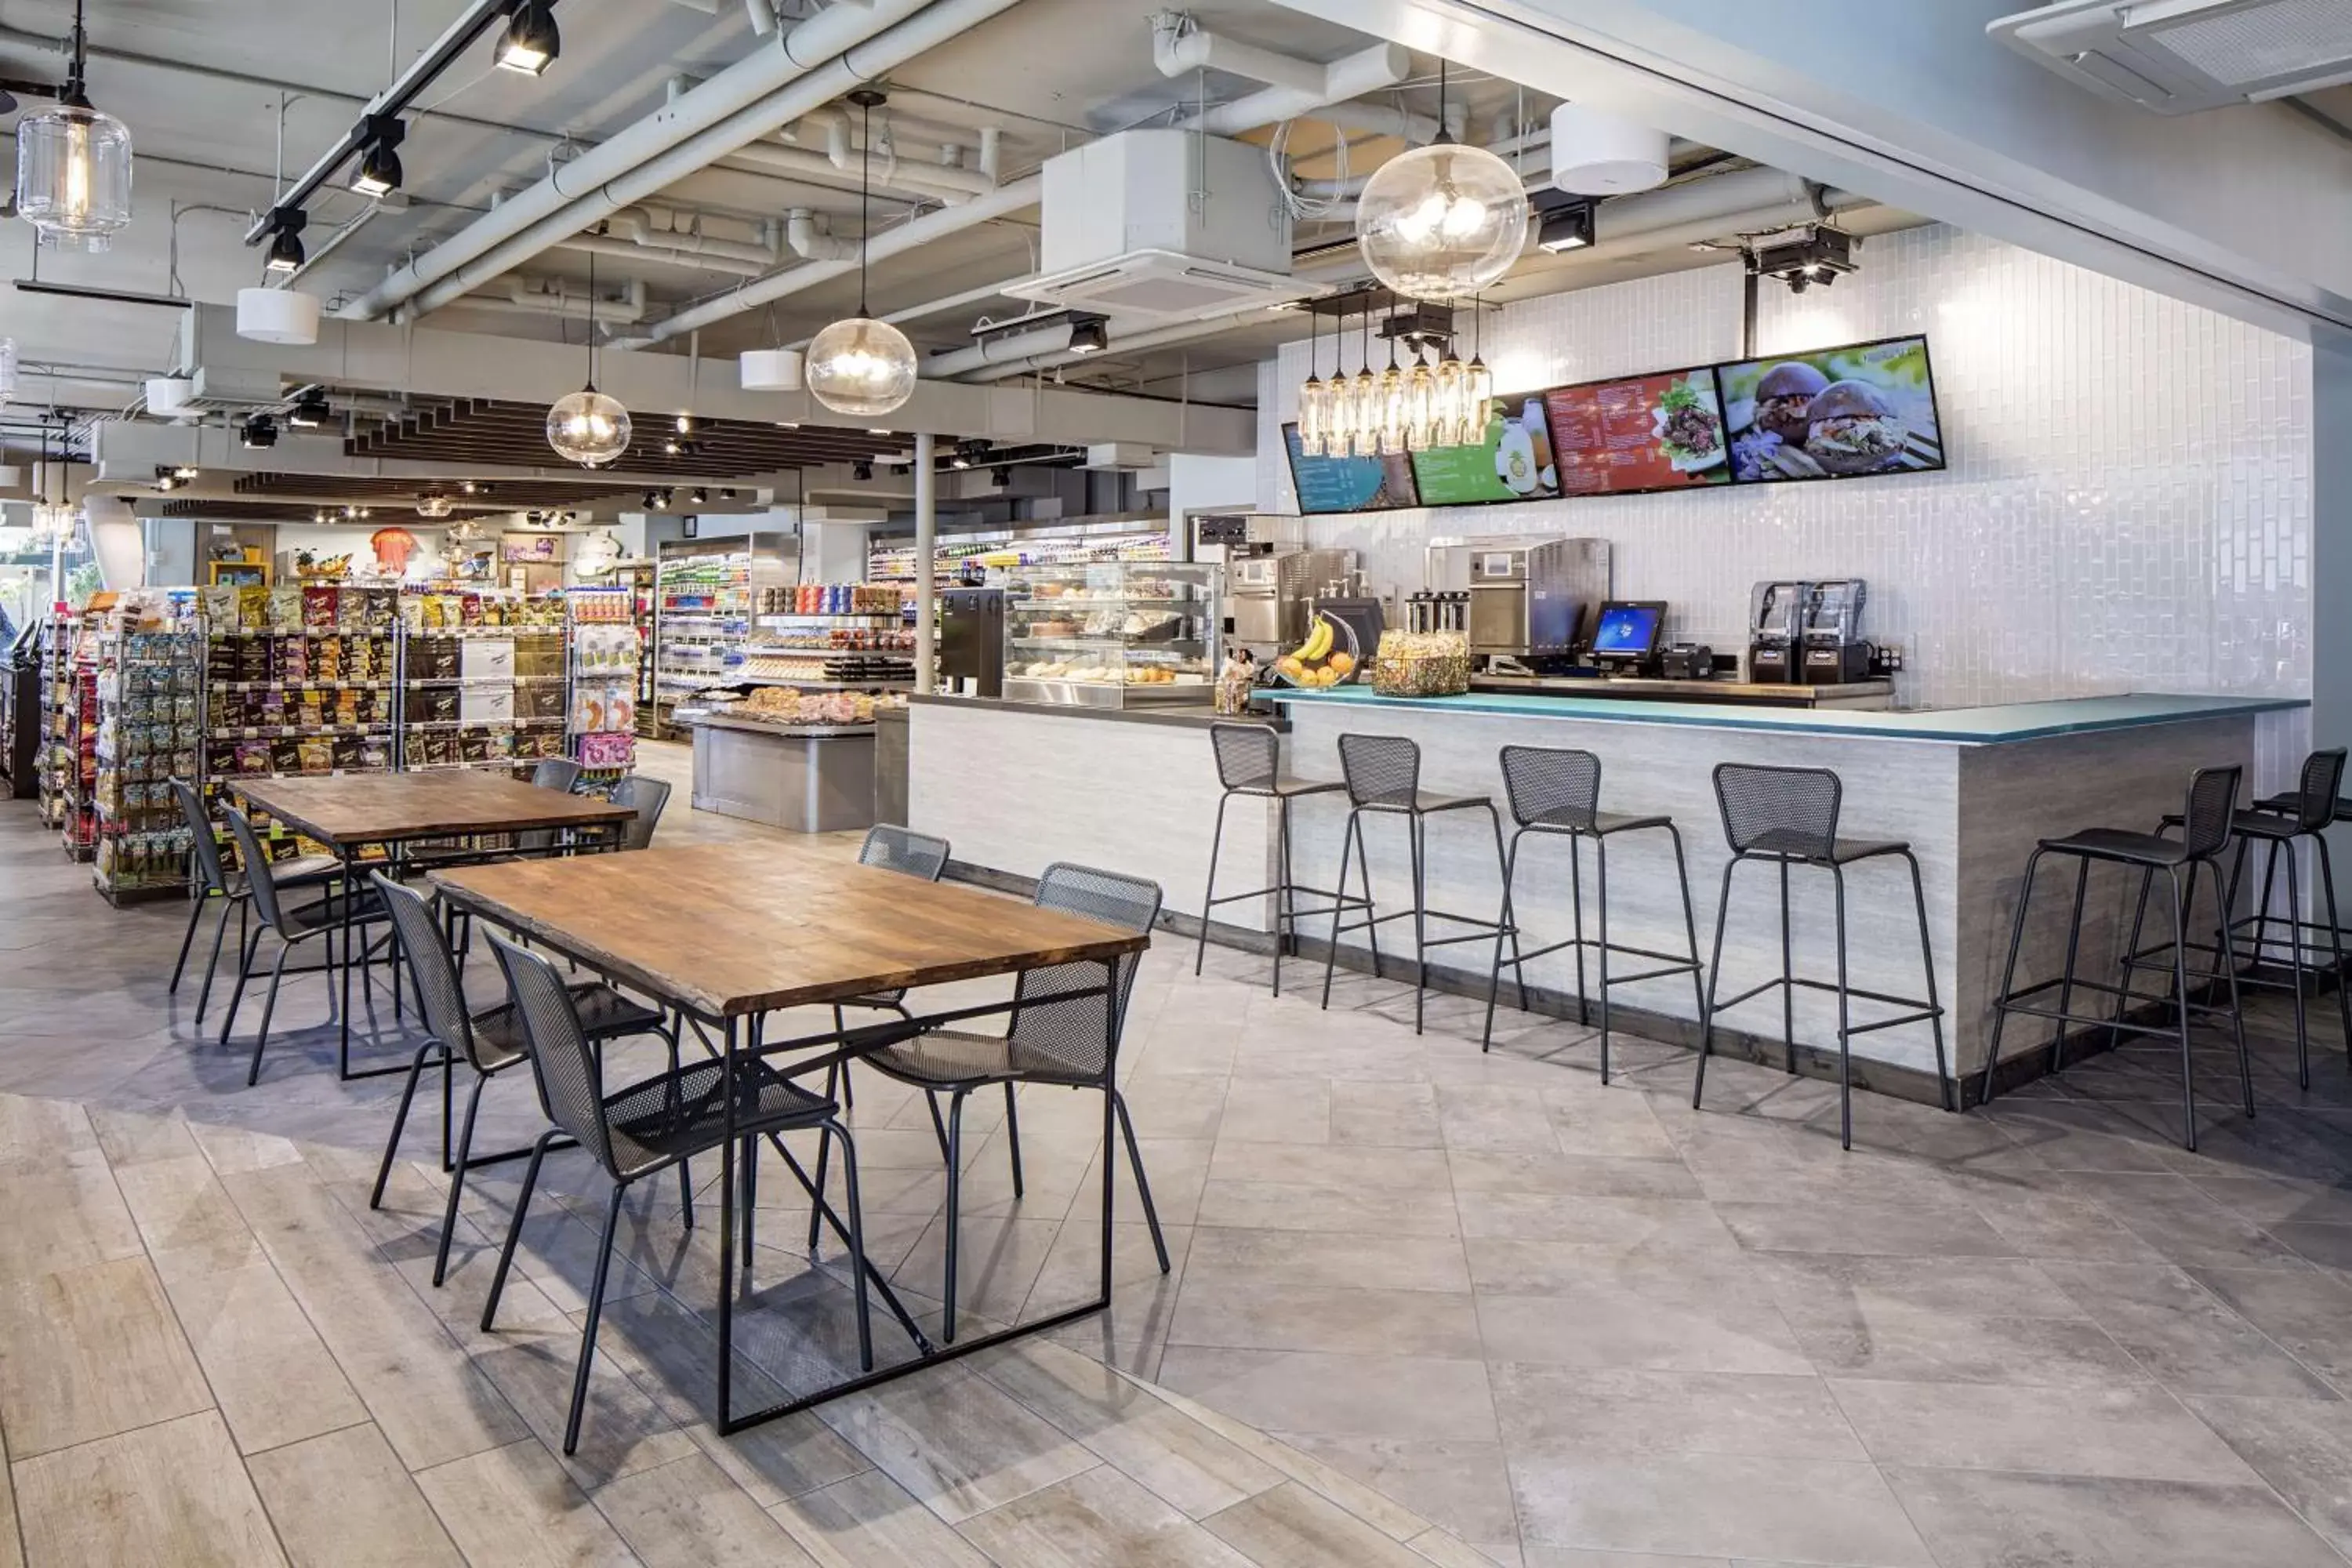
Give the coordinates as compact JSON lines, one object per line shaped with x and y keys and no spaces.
{"x":811,"y":243}
{"x":1039,"y":343}
{"x":624,"y":250}
{"x":520,"y":298}
{"x":801,"y":164}
{"x":779,"y":82}
{"x":1293,"y":87}
{"x":660,"y":231}
{"x":841,"y":147}
{"x":1374,"y":69}
{"x":763,"y":17}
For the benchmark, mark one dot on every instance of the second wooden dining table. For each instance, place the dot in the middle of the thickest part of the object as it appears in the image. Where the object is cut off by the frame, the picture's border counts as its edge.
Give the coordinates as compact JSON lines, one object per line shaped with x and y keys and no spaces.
{"x":729,"y":939}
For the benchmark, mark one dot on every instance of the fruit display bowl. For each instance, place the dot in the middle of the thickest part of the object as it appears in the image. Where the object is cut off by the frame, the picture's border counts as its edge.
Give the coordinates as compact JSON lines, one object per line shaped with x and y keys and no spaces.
{"x":1330,"y":656}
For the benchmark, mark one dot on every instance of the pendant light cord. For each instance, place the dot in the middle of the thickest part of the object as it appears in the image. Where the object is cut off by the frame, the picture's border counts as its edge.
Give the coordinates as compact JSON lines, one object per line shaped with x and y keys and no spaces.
{"x":864,"y":195}
{"x":592,"y":320}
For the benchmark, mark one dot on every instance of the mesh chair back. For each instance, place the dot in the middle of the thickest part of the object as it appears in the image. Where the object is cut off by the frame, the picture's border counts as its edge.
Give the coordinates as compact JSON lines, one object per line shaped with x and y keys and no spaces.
{"x":1070,"y":1033}
{"x":435,"y":972}
{"x":1779,"y":810}
{"x":1249,"y":756}
{"x":2323,"y":781}
{"x":2212,"y":808}
{"x":1380,"y":769}
{"x":257,"y":880}
{"x":563,"y":1065}
{"x":1551,"y":787}
{"x":647,"y":797}
{"x":212,"y":877}
{"x":558,"y":773}
{"x":905,"y":852}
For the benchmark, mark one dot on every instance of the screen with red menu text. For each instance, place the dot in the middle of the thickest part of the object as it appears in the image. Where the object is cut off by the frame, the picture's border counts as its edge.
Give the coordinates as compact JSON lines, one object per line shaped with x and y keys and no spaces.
{"x":1639,"y":433}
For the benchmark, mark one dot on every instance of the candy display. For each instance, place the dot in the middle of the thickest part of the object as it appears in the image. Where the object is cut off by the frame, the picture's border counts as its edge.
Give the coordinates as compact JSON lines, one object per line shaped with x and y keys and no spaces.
{"x":1422,"y":664}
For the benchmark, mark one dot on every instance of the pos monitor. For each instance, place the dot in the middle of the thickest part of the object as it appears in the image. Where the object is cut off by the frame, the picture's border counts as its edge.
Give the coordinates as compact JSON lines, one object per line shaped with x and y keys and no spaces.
{"x":1626,"y":635}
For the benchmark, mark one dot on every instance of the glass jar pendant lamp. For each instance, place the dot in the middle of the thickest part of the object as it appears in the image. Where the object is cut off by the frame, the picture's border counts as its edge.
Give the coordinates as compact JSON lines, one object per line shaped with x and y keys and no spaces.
{"x":73,"y":165}
{"x":1314,"y":402}
{"x":589,"y":427}
{"x":1441,"y":221}
{"x":860,"y":366}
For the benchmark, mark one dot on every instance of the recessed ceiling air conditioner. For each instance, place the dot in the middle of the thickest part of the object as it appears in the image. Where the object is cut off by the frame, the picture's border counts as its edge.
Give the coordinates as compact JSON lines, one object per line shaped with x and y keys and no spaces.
{"x":2178,"y":56}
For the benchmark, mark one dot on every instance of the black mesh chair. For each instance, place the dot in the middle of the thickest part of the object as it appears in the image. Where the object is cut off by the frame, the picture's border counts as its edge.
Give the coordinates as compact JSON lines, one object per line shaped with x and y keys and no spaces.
{"x":643,"y":1130}
{"x":1383,"y":779}
{"x":560,"y":774}
{"x":647,"y":797}
{"x":1558,"y":792}
{"x":1054,"y":1037}
{"x":1788,"y":817}
{"x":1249,"y":763}
{"x":490,"y":1041}
{"x":211,"y":879}
{"x":2206,"y":824}
{"x":292,"y":925}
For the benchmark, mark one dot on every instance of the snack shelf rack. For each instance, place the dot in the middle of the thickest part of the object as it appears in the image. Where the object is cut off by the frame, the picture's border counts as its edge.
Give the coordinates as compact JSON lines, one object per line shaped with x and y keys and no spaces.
{"x":148,"y":677}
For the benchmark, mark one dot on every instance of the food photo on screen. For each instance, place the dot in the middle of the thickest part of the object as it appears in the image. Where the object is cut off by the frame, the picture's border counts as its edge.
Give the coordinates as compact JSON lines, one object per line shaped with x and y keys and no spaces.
{"x":1867,"y":408}
{"x":1514,"y":462}
{"x":1638,"y":433}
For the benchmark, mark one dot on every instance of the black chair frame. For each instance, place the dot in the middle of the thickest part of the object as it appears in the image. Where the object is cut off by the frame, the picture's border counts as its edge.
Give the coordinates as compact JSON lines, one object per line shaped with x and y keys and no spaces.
{"x":1249,"y":764}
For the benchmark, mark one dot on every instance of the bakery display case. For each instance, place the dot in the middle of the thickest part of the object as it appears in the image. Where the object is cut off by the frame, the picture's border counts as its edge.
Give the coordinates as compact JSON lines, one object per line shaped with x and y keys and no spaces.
{"x":1112,"y":634}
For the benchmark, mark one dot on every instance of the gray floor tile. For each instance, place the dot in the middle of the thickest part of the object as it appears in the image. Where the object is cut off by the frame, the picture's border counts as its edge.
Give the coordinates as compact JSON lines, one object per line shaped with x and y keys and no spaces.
{"x":1552,"y":1409}
{"x":1366,"y":1395}
{"x":1296,"y":1529}
{"x":1889,"y":1230}
{"x":956,"y":1442}
{"x":2182,"y":1334}
{"x":1711,"y":1505}
{"x":2302,"y":1449}
{"x":1099,"y":1518}
{"x":2306,"y":1312}
{"x":1644,"y":1318}
{"x":1282,"y":1317}
{"x":1223,"y":1258}
{"x":1986,"y":1519}
{"x":2140,"y":1433}
{"x":1462,"y":1487}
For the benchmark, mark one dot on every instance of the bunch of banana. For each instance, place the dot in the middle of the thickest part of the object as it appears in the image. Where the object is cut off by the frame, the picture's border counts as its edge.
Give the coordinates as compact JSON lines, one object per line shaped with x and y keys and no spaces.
{"x":1315,"y":662}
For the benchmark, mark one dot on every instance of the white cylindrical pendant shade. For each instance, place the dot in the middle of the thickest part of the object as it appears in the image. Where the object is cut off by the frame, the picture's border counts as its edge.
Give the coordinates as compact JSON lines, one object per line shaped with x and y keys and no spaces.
{"x":169,"y":395}
{"x":1597,"y":154}
{"x":278,"y":316}
{"x":772,"y":370}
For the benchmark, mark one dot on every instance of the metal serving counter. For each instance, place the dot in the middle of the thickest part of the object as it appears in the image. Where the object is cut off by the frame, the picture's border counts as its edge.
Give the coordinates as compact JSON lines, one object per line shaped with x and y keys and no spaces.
{"x":1860,"y":695}
{"x":809,"y":778}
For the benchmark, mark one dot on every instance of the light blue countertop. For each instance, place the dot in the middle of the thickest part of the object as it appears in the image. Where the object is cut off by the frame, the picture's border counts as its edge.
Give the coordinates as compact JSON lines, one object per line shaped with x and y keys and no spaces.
{"x":1957,"y":726}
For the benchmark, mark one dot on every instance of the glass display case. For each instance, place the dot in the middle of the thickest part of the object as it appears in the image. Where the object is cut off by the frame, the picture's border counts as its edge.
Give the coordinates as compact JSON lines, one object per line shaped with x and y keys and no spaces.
{"x":1112,"y":634}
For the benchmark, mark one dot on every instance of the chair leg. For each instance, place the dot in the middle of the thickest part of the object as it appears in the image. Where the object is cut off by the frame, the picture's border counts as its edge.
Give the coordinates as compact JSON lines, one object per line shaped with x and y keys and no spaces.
{"x":1846,"y":1021}
{"x":1364,"y":870}
{"x":686,"y":1194}
{"x":2295,"y":959}
{"x":954,"y":1211}
{"x":2335,"y":950}
{"x":1601,"y":897}
{"x":1495,"y":974}
{"x":1142,"y":1184}
{"x":2180,"y":1000}
{"x":1690,"y":924}
{"x":1788,"y":977}
{"x":1714,"y":979}
{"x":831,"y":1129}
{"x":400,"y":1120}
{"x":1285,"y":902}
{"x":269,"y":1006}
{"x":595,"y":1312}
{"x":2237,"y":1013}
{"x":1209,"y":893}
{"x":514,"y":1227}
{"x":212,"y":967}
{"x":457,"y":1178}
{"x":1414,"y":830}
{"x":1013,"y":1138}
{"x":938,"y":1127}
{"x":824,"y":1150}
{"x":1576,"y":920}
{"x":2066,"y":976}
{"x":750,"y":1162}
{"x":2008,"y":977}
{"x":188,"y":940}
{"x":249,"y":943}
{"x":1339,"y":907}
{"x":1502,"y":864}
{"x":1947,"y":1084}
{"x":2131,"y":951}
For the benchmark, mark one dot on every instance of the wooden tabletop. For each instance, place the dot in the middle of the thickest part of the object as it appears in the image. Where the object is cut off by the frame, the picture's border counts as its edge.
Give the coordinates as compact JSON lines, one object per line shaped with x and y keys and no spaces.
{"x":727,"y":933}
{"x":390,"y":808}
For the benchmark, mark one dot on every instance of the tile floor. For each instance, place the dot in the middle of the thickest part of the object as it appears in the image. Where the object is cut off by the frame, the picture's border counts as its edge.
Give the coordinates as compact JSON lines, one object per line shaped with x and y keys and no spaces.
{"x":1426,"y":1306}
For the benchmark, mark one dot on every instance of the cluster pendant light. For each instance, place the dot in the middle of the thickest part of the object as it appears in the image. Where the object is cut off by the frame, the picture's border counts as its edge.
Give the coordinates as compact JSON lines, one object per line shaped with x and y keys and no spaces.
{"x":73,"y":165}
{"x":1445,"y":221}
{"x":1413,"y":408}
{"x":861,"y":366}
{"x":55,"y":520}
{"x":588,"y":428}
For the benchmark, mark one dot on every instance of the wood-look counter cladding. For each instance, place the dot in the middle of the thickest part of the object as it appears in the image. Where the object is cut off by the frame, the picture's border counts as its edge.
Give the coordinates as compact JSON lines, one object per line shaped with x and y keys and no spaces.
{"x":393,"y":808}
{"x":727,"y":934}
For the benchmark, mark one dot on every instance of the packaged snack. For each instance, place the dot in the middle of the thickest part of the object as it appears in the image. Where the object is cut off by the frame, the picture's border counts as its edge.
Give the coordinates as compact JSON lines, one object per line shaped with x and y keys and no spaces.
{"x":252,"y":756}
{"x":252,"y":609}
{"x":219,"y":603}
{"x":285,"y":756}
{"x":470,"y":611}
{"x":350,"y":611}
{"x":317,"y":755}
{"x":317,"y":608}
{"x":286,"y":609}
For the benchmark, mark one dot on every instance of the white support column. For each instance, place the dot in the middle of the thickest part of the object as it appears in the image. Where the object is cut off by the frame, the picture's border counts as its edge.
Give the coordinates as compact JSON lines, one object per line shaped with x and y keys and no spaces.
{"x":927,"y":534}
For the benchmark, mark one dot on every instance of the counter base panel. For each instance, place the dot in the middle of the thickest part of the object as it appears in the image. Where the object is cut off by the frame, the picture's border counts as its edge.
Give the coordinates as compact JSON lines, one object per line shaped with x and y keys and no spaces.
{"x":805,"y":783}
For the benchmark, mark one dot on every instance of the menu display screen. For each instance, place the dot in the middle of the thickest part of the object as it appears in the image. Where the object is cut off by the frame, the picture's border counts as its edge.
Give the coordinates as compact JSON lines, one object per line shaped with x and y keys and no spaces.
{"x":1867,"y":408}
{"x":1514,"y":462}
{"x":1639,"y":433}
{"x":1348,"y":484}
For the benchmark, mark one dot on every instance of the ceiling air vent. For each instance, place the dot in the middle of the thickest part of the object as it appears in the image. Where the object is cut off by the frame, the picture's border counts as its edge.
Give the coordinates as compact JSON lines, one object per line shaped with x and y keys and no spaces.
{"x":2178,"y":56}
{"x":1163,"y":284}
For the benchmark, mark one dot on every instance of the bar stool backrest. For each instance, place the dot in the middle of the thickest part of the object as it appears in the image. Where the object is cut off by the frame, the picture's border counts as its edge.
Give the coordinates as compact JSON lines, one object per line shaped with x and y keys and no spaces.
{"x":1070,"y":1033}
{"x":1779,"y":810}
{"x":2212,"y":808}
{"x":1380,"y":769}
{"x":429,"y":964}
{"x":1551,"y":787}
{"x":558,"y":773}
{"x":570,"y":1089}
{"x":1249,"y":756}
{"x":647,"y":796}
{"x":905,"y":852}
{"x":257,"y":880}
{"x":212,"y":877}
{"x":2323,"y":781}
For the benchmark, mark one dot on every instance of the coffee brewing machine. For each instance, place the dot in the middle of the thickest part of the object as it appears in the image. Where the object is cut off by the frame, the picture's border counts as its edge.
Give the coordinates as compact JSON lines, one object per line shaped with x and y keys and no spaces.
{"x":1524,"y":604}
{"x":1808,"y":633}
{"x":1268,"y":594}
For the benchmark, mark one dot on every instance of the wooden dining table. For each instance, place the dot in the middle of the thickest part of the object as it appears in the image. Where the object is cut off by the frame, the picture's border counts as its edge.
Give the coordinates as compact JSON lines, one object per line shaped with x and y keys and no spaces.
{"x":351,"y":814}
{"x":729,"y":937}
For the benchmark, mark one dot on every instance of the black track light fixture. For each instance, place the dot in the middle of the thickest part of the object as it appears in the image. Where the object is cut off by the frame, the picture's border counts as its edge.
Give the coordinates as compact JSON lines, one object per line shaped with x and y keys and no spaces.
{"x":259,"y":430}
{"x":380,"y":137}
{"x":286,"y":224}
{"x":701,"y":497}
{"x":1087,"y":335}
{"x":310,"y":411}
{"x":531,"y":41}
{"x":1001,"y":477}
{"x":862,"y":469}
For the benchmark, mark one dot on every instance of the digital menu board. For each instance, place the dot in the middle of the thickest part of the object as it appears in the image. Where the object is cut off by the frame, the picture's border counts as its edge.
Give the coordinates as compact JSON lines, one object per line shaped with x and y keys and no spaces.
{"x":1514,"y":462}
{"x":1866,"y":408}
{"x":1638,"y":433}
{"x":1348,"y":484}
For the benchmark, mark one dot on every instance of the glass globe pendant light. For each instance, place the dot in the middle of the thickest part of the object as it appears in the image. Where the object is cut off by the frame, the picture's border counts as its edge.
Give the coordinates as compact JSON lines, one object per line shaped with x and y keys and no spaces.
{"x":73,"y":165}
{"x":1441,"y":221}
{"x":861,"y":366}
{"x":589,"y":427}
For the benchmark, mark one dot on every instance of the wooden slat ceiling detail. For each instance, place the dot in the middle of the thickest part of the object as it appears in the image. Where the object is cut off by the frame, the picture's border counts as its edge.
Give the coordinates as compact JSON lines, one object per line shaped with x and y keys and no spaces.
{"x":381,"y":514}
{"x":503,"y":495}
{"x":470,"y":431}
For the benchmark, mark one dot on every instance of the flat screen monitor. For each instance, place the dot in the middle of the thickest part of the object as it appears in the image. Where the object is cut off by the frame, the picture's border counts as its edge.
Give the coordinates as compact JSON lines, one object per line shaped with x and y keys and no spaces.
{"x":1628,"y":632}
{"x":1833,"y":413}
{"x":1329,"y":485}
{"x":1638,"y":433}
{"x":1512,"y":462}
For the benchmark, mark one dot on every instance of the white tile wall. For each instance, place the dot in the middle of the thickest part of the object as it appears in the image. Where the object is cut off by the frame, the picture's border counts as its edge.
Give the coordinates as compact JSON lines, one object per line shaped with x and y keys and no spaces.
{"x":2129,"y":504}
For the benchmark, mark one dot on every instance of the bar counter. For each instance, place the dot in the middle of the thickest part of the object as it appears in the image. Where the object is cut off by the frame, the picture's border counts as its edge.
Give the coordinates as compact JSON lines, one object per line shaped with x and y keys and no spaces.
{"x":1970,"y":789}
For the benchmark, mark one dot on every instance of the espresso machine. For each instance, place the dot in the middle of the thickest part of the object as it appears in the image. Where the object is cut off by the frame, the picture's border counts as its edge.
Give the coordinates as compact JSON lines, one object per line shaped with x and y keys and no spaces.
{"x":1267,"y":594}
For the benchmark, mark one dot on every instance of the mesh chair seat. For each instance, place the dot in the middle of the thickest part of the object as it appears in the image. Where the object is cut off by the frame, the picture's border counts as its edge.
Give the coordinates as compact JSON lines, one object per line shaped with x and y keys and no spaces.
{"x":2262,"y":822}
{"x":306,"y":871}
{"x":2122,"y":847}
{"x":310,"y":920}
{"x":951,"y":1059}
{"x":1569,"y":819}
{"x":674,"y":1115}
{"x":1421,"y":801}
{"x":1788,"y":844}
{"x":604,"y":1014}
{"x":2290,"y":801}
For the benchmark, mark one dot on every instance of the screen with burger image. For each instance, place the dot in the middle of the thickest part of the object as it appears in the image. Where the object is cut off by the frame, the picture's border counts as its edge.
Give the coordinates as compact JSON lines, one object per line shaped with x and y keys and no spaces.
{"x":1867,"y":408}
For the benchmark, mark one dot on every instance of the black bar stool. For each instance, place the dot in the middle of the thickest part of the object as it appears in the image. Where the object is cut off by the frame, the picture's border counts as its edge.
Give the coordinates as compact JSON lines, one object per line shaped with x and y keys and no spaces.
{"x":1384,"y":776}
{"x":1558,"y":792}
{"x":2279,"y":824}
{"x":1249,"y":763}
{"x":2206,"y":823}
{"x":1790,"y":815}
